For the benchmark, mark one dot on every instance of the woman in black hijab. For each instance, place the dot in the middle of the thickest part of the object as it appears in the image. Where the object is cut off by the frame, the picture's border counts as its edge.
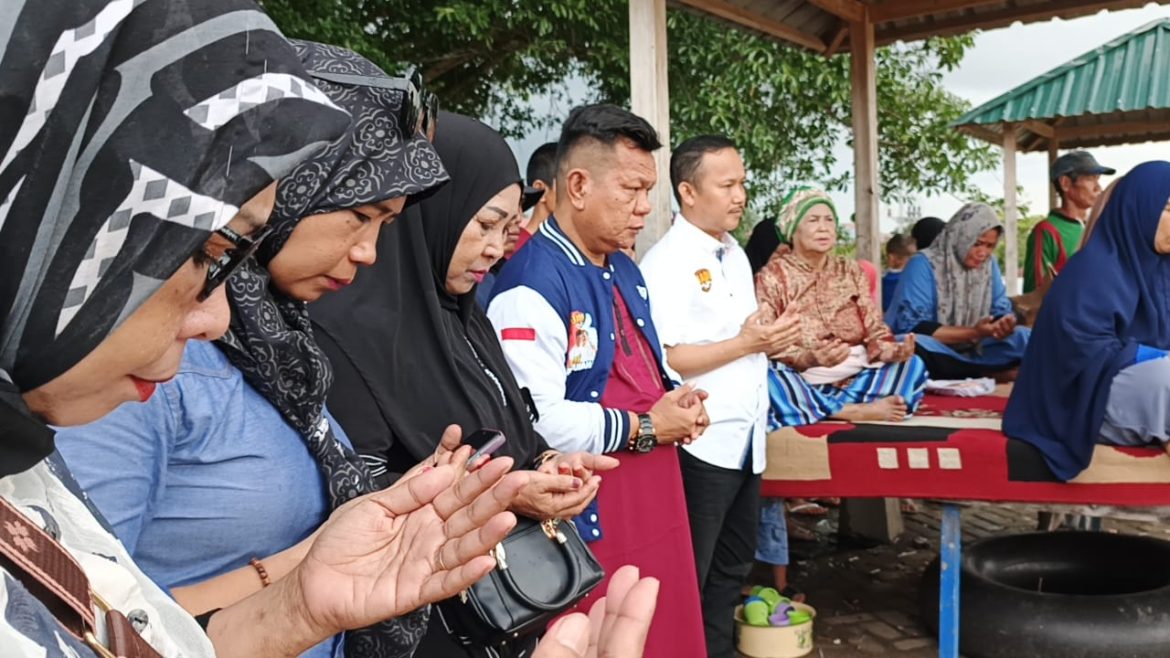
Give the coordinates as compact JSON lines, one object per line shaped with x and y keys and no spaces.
{"x":926,"y":230}
{"x":764,"y":241}
{"x":414,"y":353}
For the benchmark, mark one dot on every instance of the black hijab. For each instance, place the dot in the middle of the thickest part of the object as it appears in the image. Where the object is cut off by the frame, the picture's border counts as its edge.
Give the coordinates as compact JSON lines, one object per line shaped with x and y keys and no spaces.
{"x":410,"y":358}
{"x":128,"y":133}
{"x":926,"y":230}
{"x":764,"y":241}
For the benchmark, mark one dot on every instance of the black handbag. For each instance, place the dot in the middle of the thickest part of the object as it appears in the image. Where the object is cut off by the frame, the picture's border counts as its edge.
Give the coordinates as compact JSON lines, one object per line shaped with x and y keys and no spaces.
{"x":542,"y":569}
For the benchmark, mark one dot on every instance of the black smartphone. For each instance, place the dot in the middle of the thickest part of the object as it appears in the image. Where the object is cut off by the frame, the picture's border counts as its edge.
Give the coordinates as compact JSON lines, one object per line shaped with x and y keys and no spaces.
{"x":484,"y":442}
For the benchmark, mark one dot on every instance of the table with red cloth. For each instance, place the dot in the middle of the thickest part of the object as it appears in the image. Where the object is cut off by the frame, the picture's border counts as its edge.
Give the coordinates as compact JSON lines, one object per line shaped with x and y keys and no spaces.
{"x":953,"y":449}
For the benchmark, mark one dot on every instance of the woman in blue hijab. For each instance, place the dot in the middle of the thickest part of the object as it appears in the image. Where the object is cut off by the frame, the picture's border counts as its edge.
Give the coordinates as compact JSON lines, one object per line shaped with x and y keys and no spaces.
{"x":1096,"y":369}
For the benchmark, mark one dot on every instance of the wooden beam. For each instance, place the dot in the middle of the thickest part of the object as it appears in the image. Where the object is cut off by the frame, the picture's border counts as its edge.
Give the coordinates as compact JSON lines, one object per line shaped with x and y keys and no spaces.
{"x":650,"y":99}
{"x":838,"y":39}
{"x":1011,"y":214}
{"x":757,"y":22}
{"x":1040,"y":128}
{"x":955,"y":23}
{"x":898,"y":10}
{"x":865,"y":133}
{"x":850,"y":11}
{"x":1112,"y":129}
{"x":980,"y":131}
{"x":1053,"y":152}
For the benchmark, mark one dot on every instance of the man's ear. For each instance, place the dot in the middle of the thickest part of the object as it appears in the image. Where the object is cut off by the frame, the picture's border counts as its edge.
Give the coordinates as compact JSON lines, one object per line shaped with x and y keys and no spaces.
{"x":578,"y":183}
{"x":549,"y":200}
{"x":687,"y":194}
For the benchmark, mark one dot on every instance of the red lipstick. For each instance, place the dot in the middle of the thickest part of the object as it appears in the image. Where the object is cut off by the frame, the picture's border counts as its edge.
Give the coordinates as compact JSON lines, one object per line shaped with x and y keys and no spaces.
{"x":145,"y":388}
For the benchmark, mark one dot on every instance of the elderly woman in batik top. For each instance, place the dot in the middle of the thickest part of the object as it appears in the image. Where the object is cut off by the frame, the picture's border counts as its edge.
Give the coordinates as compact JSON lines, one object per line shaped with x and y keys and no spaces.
{"x":847,"y":364}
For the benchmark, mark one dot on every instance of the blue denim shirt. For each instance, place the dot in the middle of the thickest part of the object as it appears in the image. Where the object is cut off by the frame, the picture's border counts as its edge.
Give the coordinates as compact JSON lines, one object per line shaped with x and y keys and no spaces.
{"x":202,"y":477}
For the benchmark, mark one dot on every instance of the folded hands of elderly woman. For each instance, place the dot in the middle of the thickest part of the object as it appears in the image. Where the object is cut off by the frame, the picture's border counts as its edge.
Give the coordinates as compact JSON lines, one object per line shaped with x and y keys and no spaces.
{"x":893,"y":351}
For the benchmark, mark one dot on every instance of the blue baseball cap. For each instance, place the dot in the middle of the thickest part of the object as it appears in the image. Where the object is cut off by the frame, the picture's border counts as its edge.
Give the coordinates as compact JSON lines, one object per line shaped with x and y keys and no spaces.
{"x":1078,"y":163}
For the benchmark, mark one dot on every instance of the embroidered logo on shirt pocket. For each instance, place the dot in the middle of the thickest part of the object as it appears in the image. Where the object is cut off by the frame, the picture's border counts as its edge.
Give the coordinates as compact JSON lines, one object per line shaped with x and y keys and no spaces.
{"x":704,"y":277}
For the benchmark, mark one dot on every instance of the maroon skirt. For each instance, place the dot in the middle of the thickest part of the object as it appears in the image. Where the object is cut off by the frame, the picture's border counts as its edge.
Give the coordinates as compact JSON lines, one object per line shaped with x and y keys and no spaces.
{"x":643,"y":516}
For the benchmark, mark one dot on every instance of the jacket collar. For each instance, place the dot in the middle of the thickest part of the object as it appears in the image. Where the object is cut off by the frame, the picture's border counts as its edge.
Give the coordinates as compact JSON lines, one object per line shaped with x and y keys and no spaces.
{"x":551,"y":229}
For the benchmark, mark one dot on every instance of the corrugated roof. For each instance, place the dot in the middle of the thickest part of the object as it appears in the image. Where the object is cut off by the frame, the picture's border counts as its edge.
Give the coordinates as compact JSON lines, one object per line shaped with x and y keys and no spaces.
{"x":1117,"y":93}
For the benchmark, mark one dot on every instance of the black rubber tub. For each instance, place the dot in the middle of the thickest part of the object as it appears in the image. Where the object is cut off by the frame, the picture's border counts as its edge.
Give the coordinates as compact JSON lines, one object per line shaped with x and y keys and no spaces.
{"x":1060,"y":595}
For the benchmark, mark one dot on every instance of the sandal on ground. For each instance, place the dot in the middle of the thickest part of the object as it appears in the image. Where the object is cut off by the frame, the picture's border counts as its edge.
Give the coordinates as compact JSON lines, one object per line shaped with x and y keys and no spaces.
{"x":793,"y":594}
{"x":806,"y":508}
{"x":797,"y":532}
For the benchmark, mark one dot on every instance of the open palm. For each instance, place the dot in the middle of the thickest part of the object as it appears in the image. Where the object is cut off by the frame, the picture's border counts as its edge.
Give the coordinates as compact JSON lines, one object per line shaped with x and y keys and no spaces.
{"x":420,"y":541}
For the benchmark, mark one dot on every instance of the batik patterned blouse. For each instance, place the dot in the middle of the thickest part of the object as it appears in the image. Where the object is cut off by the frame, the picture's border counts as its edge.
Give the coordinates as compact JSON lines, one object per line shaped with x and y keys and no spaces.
{"x":832,"y":303}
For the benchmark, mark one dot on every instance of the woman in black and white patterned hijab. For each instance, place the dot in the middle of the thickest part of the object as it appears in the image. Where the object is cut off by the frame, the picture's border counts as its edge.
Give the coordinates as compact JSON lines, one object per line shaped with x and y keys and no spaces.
{"x":131,"y":134}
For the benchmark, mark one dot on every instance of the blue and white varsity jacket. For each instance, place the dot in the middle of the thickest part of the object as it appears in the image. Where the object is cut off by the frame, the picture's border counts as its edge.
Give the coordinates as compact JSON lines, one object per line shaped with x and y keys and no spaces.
{"x":553,"y":311}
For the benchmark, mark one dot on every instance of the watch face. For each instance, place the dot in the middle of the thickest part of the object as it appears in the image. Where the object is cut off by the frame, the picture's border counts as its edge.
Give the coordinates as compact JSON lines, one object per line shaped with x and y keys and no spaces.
{"x":645,"y":443}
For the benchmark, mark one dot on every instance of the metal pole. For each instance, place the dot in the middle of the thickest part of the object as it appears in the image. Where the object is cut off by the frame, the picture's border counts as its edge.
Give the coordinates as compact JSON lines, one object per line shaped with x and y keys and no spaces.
{"x":950,"y":561}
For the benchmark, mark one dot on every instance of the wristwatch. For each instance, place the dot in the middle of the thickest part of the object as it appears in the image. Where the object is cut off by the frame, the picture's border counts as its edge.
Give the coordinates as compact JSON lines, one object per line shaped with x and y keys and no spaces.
{"x":645,"y":440}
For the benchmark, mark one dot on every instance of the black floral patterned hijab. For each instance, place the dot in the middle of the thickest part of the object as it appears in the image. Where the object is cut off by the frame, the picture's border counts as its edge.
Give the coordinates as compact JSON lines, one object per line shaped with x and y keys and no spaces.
{"x":271,"y":339}
{"x":129,"y":132}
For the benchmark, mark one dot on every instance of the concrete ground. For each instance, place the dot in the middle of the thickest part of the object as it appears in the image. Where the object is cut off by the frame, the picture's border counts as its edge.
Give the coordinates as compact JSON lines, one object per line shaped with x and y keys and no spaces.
{"x":866,"y":596}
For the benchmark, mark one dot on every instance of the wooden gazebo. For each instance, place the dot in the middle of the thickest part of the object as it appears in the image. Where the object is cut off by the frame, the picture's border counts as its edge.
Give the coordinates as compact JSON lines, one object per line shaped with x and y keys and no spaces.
{"x":827,"y":27}
{"x":1118,"y":93}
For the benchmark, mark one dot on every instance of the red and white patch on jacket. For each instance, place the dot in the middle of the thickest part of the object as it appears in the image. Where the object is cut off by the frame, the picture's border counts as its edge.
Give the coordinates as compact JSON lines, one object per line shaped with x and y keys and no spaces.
{"x":518,"y":333}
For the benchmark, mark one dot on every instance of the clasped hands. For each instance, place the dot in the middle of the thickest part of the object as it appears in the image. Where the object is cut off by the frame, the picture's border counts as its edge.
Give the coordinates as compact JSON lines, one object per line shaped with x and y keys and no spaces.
{"x":999,"y":329}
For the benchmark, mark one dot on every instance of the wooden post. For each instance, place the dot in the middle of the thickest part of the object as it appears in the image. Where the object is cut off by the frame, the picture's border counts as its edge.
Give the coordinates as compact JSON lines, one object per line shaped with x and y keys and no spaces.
{"x":865,"y":127}
{"x":1011,"y":247}
{"x":650,"y":99}
{"x":876,"y":519}
{"x":1053,"y":151}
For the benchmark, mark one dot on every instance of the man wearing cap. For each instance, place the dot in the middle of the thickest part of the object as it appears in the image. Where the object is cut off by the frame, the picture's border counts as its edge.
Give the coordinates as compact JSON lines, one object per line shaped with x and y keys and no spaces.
{"x":1076,"y":176}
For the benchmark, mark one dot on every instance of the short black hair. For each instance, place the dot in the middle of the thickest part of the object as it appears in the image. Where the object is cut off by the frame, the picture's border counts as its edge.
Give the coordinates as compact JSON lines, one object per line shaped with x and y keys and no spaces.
{"x":926,"y":230}
{"x":899,"y":245}
{"x":542,"y":166}
{"x":606,"y":124}
{"x":685,"y":161}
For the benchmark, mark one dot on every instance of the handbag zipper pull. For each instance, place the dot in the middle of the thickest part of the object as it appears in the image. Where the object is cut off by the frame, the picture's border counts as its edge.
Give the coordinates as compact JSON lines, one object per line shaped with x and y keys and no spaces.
{"x":501,"y":556}
{"x":552,"y":530}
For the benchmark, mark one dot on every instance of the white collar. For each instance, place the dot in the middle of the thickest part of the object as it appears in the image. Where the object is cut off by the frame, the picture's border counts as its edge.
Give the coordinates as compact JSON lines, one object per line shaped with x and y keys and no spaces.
{"x":696,"y":236}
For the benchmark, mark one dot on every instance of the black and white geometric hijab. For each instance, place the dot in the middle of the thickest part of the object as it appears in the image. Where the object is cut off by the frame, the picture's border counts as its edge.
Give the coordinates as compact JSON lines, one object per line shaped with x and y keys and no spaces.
{"x":129,"y":131}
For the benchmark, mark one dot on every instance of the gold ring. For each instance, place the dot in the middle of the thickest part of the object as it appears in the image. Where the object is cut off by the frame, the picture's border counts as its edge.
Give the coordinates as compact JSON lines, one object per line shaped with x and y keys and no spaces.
{"x":439,"y":559}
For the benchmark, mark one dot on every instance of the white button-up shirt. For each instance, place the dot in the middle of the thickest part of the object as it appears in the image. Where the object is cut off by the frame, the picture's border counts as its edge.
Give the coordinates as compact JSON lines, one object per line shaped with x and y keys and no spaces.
{"x":701,"y":291}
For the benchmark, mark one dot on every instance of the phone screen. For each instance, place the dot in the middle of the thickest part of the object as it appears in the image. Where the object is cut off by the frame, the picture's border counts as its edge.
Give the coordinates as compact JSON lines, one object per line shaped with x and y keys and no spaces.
{"x":484,"y":442}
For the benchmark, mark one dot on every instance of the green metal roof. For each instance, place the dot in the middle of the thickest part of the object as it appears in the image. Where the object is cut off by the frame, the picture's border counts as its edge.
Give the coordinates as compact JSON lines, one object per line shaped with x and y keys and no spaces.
{"x":1118,"y":93}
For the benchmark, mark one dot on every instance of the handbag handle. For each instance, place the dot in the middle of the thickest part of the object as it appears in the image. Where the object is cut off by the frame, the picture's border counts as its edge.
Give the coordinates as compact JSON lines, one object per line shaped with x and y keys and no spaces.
{"x":559,"y":603}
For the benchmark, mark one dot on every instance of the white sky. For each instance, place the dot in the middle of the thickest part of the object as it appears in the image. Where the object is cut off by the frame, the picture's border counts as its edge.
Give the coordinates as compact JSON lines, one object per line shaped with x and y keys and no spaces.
{"x":999,"y":61}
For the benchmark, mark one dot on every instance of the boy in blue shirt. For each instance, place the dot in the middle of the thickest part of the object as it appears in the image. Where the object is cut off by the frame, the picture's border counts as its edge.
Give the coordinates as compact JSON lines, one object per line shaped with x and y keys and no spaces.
{"x":899,"y":249}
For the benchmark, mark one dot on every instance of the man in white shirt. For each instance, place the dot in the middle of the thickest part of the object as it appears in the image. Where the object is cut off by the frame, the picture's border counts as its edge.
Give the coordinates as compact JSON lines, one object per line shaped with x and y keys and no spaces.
{"x":715,"y":336}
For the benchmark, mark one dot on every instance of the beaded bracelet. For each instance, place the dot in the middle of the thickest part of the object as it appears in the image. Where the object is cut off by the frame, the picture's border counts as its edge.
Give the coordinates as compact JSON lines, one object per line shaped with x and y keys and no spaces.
{"x":259,"y":567}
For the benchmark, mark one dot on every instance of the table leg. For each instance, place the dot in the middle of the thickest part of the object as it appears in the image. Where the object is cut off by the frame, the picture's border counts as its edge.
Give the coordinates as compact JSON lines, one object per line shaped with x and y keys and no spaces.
{"x":950,"y":555}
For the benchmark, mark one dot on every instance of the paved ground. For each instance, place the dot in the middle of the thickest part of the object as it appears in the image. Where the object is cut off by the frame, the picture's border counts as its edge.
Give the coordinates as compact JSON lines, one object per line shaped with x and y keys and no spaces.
{"x":866,"y":597}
